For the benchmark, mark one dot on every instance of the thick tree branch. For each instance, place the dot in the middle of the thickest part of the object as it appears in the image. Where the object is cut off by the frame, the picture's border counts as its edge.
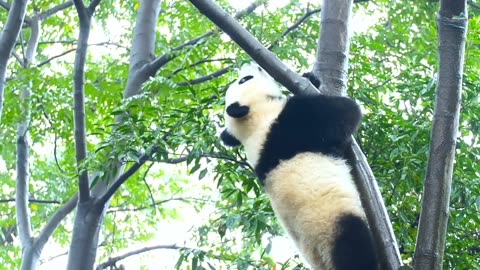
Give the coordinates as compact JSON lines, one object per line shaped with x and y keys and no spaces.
{"x":55,"y":220}
{"x":143,"y":46}
{"x":8,"y":38}
{"x":222,"y":71}
{"x":21,"y":189}
{"x":452,"y":28}
{"x":266,"y":59}
{"x":79,"y":99}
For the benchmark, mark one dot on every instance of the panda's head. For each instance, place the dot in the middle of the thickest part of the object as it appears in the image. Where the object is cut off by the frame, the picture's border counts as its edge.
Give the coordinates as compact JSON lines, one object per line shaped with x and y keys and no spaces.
{"x":252,"y":103}
{"x":253,"y":87}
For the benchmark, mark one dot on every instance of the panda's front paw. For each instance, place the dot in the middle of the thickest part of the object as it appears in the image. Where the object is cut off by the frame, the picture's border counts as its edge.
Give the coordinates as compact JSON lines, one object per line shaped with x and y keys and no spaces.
{"x":312,"y":78}
{"x":235,"y":110}
{"x":228,"y":139}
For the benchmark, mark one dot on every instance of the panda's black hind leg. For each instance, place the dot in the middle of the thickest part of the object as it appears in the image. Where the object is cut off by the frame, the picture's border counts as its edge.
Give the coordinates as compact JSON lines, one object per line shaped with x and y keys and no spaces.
{"x":353,"y":248}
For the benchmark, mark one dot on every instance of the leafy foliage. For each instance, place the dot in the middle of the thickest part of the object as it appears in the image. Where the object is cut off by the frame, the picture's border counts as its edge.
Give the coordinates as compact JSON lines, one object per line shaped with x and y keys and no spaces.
{"x":392,"y":74}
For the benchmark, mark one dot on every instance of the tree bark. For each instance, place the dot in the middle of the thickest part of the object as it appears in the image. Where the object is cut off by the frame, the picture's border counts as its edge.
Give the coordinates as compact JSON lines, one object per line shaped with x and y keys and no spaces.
{"x":88,"y":219}
{"x":452,"y":28}
{"x":8,"y":37}
{"x":331,"y":67}
{"x":90,"y":212}
{"x":335,"y":77}
{"x":30,"y":255}
{"x":32,"y":246}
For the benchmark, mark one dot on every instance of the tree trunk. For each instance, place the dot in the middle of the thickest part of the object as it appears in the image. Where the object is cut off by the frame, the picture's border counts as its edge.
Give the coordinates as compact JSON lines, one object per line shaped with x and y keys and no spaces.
{"x":30,"y":253}
{"x":91,"y":210}
{"x":452,"y":28}
{"x":331,"y":68}
{"x":8,"y":38}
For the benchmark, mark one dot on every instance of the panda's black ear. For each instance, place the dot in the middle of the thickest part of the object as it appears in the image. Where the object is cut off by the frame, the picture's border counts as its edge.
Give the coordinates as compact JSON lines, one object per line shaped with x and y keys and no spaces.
{"x":236,"y":110}
{"x":228,"y":139}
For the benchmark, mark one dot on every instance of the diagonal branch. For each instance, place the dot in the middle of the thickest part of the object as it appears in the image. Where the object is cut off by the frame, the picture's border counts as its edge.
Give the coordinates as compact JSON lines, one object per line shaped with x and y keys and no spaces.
{"x":112,"y":261}
{"x":124,"y":177}
{"x":222,"y":71}
{"x":5,"y":5}
{"x":55,"y":9}
{"x":295,"y":25}
{"x":55,"y":220}
{"x":266,"y":59}
{"x":159,"y":62}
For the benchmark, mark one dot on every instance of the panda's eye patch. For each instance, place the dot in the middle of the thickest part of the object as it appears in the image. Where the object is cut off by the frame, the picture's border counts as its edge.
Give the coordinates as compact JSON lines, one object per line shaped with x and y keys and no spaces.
{"x":244,"y":79}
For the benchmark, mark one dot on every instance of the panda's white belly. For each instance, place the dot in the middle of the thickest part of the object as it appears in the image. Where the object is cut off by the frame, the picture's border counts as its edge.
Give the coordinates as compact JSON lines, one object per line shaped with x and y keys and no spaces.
{"x":308,"y":193}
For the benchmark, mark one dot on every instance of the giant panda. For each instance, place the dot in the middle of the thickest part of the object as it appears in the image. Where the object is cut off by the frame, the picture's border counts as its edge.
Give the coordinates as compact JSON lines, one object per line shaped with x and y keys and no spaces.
{"x":296,"y":145}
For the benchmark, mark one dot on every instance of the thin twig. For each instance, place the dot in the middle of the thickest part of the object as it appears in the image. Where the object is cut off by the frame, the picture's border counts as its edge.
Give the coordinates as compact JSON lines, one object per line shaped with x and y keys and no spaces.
{"x":32,"y":201}
{"x":148,"y":186}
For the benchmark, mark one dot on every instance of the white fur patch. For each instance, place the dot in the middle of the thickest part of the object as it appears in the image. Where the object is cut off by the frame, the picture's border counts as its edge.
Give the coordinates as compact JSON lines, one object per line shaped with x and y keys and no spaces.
{"x":308,"y":193}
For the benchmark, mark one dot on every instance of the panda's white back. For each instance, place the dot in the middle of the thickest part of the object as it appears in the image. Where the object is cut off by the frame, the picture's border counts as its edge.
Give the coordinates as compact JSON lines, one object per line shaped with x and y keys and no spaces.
{"x":308,"y":192}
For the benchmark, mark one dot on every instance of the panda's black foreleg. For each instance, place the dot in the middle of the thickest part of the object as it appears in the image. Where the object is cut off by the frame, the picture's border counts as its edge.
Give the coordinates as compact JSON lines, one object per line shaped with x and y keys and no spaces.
{"x":228,"y":139}
{"x":236,"y":110}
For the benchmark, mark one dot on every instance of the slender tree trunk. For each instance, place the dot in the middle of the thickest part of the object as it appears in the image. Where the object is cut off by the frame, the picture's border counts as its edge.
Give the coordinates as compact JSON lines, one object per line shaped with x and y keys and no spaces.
{"x":7,"y":40}
{"x":30,"y":254}
{"x":331,"y":65}
{"x":332,"y":68}
{"x":452,"y":28}
{"x":32,"y":246}
{"x":86,"y":226}
{"x":91,"y":209}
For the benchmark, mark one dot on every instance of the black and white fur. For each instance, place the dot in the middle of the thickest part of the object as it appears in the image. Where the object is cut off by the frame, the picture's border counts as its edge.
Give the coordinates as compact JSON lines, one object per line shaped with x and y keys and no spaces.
{"x":296,"y":146}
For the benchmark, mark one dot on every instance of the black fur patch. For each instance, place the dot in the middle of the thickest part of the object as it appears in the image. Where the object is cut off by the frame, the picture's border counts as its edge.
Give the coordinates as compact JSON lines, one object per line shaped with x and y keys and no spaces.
{"x":236,"y":110}
{"x":353,"y":249}
{"x":320,"y":123}
{"x":244,"y":79}
{"x":228,"y":139}
{"x":312,"y":78}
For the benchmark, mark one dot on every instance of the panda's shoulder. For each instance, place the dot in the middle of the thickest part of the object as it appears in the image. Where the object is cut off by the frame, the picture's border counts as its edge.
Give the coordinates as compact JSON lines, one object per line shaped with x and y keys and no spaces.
{"x":320,"y":104}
